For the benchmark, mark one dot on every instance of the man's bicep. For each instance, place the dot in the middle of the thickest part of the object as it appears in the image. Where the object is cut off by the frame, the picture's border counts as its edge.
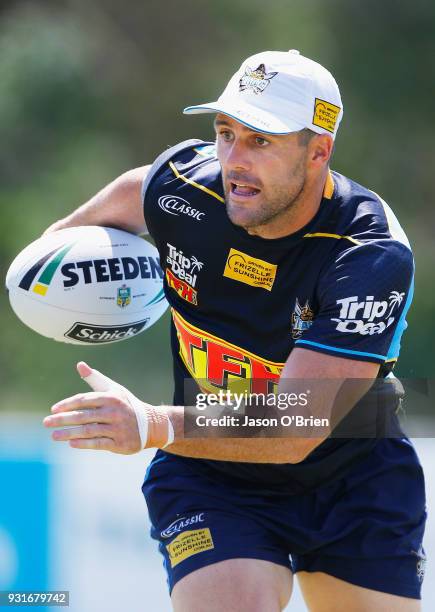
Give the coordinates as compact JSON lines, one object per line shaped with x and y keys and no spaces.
{"x":133,"y":181}
{"x":306,"y":363}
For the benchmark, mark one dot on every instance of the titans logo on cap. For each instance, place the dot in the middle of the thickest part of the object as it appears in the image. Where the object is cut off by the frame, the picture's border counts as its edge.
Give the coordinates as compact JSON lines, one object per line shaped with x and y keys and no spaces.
{"x":255,"y":80}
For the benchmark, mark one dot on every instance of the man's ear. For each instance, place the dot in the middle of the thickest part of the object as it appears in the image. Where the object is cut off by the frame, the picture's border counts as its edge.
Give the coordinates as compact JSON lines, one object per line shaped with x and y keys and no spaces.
{"x":320,"y":149}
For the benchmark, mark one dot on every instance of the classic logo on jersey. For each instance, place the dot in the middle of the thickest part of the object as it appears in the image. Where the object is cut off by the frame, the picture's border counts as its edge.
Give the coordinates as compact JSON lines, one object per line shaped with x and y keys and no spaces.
{"x":45,"y":277}
{"x":302,"y":319}
{"x":257,"y":80}
{"x":369,"y":316}
{"x":325,"y":114}
{"x":174,"y":205}
{"x":181,"y":523}
{"x":246,"y":269}
{"x":123,"y":298}
{"x":183,"y":273}
{"x":189,"y":543}
{"x":217,"y":364}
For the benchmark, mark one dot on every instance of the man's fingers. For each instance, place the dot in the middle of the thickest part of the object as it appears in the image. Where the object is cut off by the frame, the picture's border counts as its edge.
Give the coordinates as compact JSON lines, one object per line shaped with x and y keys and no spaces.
{"x":77,"y":417}
{"x":83,"y":400}
{"x":94,"y":378}
{"x":94,"y":444}
{"x":83,"y":369}
{"x":88,"y":431}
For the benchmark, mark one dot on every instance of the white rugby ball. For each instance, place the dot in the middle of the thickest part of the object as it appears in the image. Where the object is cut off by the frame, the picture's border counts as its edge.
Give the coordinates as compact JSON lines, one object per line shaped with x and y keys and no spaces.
{"x":87,"y":285}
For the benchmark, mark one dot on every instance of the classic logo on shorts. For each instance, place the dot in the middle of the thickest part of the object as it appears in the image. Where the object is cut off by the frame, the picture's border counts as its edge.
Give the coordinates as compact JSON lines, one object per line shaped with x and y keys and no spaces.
{"x":123,"y":298}
{"x":54,"y":259}
{"x":174,"y":205}
{"x":325,"y":114}
{"x":182,"y":273}
{"x":189,"y":543}
{"x":369,"y":316}
{"x":250,"y":270}
{"x":257,"y":80}
{"x":302,"y":319}
{"x":180,"y":523}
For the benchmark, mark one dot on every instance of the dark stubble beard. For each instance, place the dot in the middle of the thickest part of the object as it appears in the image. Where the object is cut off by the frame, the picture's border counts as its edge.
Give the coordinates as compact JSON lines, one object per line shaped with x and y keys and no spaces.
{"x":281,"y":202}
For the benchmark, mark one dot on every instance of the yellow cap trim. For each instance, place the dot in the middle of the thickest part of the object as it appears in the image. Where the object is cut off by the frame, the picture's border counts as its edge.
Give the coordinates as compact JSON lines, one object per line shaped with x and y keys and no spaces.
{"x":197,"y":185}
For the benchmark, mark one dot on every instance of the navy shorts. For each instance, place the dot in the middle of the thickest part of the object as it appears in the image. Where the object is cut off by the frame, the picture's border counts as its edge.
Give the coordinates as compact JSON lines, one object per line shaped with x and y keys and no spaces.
{"x":365,"y":528}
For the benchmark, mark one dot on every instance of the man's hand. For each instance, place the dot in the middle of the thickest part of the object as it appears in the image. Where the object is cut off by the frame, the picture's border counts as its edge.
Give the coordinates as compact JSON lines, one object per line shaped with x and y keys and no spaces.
{"x":109,"y":418}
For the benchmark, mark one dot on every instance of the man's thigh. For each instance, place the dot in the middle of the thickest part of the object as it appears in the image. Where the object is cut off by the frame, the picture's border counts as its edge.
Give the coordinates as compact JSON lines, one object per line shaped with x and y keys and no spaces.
{"x":234,"y":585}
{"x":325,"y":593}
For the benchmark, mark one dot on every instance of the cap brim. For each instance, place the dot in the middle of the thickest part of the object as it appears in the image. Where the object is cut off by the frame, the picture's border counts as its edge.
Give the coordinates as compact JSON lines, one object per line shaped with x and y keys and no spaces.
{"x":247,"y":114}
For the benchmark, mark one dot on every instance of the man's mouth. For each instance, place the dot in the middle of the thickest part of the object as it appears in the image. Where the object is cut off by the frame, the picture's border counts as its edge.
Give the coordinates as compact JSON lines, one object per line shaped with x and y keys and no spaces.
{"x":243,"y":190}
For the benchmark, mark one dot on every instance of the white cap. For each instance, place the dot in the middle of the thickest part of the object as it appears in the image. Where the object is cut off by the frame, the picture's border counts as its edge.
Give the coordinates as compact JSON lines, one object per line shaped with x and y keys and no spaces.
{"x":277,"y":92}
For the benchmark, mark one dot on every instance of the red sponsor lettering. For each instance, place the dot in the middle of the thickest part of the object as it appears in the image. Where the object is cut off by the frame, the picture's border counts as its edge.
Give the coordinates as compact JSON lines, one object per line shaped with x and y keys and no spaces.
{"x":183,"y":289}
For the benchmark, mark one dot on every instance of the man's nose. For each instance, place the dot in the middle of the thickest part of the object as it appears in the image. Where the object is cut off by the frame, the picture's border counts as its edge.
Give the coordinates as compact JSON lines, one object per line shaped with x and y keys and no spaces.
{"x":237,"y":157}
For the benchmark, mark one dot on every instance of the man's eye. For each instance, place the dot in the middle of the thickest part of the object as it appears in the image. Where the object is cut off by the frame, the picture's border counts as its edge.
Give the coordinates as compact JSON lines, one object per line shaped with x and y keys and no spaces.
{"x":261,"y":141}
{"x":225,"y":135}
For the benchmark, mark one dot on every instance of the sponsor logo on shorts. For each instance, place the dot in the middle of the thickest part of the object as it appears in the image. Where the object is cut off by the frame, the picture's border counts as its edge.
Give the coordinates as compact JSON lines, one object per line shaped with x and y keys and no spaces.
{"x":181,"y":523}
{"x":302,"y":319}
{"x":255,"y":81}
{"x":189,"y":543}
{"x":250,"y":270}
{"x":176,"y":206}
{"x":368,"y":316}
{"x":325,"y":114}
{"x":99,"y":334}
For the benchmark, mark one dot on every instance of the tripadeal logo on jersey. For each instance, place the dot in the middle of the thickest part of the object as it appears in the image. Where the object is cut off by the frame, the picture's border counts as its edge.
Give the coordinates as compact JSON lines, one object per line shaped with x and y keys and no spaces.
{"x":368,"y":316}
{"x":182,"y":273}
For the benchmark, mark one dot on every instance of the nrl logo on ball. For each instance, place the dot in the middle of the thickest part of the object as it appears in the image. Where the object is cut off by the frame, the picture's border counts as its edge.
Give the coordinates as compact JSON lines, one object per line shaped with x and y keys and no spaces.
{"x":124,"y":296}
{"x":256,"y":80}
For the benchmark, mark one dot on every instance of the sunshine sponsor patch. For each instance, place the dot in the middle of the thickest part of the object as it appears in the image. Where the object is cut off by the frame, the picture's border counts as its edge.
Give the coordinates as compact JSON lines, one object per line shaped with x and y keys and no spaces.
{"x":325,"y":114}
{"x":189,"y":543}
{"x":246,"y":269}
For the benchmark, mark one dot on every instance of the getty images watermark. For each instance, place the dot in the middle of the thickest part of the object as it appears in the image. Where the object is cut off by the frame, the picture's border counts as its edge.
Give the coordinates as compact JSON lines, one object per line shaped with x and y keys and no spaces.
{"x":338,"y":408}
{"x":237,"y":402}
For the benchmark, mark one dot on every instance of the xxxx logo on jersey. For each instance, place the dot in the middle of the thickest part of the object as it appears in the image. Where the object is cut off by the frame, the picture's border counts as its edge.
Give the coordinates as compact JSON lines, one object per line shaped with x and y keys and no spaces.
{"x":217,"y":364}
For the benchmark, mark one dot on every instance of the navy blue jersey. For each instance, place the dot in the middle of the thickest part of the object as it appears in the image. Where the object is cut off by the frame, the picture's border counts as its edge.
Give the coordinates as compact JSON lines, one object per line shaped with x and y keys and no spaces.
{"x":341,"y":285}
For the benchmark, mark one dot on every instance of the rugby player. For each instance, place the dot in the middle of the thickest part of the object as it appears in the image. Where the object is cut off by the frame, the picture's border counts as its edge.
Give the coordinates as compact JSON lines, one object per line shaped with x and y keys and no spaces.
{"x":277,"y":269}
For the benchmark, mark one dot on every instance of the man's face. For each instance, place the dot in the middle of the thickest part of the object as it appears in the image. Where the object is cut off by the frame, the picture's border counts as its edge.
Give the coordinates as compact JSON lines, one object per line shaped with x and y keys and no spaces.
{"x":263,"y":175}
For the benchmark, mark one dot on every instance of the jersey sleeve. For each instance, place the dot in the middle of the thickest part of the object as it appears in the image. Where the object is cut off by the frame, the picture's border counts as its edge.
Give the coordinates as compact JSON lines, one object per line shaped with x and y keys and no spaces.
{"x":363,"y":299}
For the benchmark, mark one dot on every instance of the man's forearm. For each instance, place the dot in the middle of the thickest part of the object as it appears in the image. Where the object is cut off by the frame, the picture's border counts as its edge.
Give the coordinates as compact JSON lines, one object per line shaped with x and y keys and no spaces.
{"x":250,"y":450}
{"x":117,"y":205}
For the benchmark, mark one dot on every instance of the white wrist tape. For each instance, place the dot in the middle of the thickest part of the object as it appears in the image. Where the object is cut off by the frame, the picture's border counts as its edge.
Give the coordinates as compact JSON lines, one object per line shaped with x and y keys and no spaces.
{"x":141,"y":418}
{"x":171,"y":433}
